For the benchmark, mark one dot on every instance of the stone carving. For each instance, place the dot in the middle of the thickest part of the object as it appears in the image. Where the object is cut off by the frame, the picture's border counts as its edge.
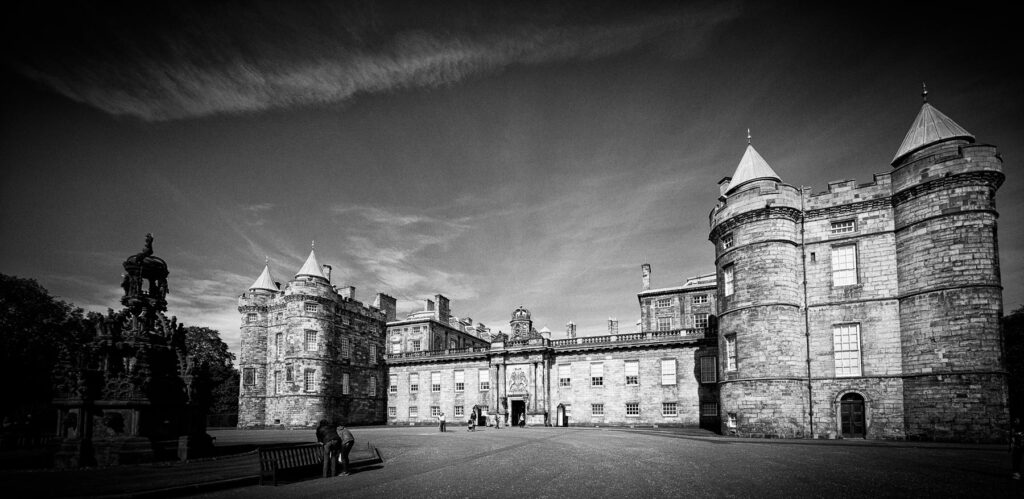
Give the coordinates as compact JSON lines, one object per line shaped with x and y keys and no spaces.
{"x":517,"y":381}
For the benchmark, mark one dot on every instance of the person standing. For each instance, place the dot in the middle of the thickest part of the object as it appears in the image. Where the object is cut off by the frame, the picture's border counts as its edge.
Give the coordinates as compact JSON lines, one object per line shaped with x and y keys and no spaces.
{"x":472,"y":421}
{"x":1016,"y":446}
{"x":347,"y":441}
{"x":327,"y":435}
{"x":440,"y":419}
{"x":522,"y":421}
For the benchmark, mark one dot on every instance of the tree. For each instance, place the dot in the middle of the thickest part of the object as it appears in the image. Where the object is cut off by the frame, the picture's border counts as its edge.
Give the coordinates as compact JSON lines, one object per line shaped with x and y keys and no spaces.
{"x":214,"y":362}
{"x":33,"y":328}
{"x":1013,"y":337}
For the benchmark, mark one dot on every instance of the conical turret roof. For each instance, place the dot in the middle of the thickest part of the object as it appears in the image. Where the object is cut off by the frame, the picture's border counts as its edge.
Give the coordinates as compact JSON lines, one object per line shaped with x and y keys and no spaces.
{"x":311,"y":267}
{"x":752,"y":167}
{"x":264,"y":281}
{"x":929,"y":127}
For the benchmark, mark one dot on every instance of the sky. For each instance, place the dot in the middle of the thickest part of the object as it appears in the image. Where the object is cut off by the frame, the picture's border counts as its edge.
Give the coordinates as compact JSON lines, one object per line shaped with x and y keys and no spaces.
{"x":502,"y":154}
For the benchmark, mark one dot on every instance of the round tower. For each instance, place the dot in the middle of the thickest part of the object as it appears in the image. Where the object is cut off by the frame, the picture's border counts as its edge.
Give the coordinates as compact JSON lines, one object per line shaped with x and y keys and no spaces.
{"x":252,"y":363}
{"x":756,"y":232}
{"x":948,"y":270}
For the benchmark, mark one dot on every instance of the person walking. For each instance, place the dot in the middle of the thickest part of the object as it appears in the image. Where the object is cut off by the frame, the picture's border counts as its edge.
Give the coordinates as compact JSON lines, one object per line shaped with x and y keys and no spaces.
{"x":440,"y":419}
{"x":472,"y":421}
{"x":327,"y":435}
{"x":1016,"y":446}
{"x":347,"y":441}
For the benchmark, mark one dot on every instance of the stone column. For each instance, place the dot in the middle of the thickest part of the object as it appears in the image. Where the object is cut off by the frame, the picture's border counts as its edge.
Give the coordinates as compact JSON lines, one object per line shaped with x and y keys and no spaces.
{"x":536,"y":392}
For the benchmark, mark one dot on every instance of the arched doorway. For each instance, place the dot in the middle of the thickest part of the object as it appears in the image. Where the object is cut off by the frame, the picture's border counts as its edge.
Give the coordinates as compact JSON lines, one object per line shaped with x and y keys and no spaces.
{"x":560,"y":417}
{"x":851,"y":416}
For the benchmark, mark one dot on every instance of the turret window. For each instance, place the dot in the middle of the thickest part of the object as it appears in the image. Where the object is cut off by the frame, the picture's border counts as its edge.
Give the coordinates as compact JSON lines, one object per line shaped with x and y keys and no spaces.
{"x":345,"y":383}
{"x":373,"y":354}
{"x":844,"y":265}
{"x":728,"y":241}
{"x":312,"y":345}
{"x":371,"y":387}
{"x":727,"y":278}
{"x":730,"y":352}
{"x":309,"y":381}
{"x":279,"y":345}
{"x":311,"y":307}
{"x":252,"y":317}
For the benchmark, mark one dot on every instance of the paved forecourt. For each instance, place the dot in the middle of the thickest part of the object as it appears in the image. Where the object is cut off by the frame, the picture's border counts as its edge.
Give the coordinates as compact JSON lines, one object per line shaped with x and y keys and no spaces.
{"x":581,"y":462}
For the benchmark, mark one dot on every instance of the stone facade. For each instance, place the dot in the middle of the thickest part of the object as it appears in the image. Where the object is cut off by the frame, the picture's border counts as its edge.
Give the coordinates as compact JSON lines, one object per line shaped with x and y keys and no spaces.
{"x":867,"y":310}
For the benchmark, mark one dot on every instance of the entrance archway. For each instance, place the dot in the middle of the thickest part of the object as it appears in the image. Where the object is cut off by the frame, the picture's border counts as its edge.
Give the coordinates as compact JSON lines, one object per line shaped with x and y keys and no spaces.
{"x":561,"y":419}
{"x":851,"y":416}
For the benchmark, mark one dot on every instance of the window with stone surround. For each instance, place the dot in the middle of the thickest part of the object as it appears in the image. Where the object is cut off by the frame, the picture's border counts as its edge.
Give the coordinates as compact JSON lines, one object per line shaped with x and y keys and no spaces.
{"x":727,"y":279}
{"x":309,"y":381}
{"x":700,"y":321}
{"x":345,"y":384}
{"x":709,"y":409}
{"x":435,"y":381}
{"x":249,"y":376}
{"x":668,"y":371}
{"x":414,"y":382}
{"x":414,"y":412}
{"x":460,"y":410}
{"x":278,"y":344}
{"x":632,"y":372}
{"x":485,"y":380}
{"x":730,"y":352}
{"x":460,"y":380}
{"x":373,"y":354}
{"x":277,"y":382}
{"x":289,"y":374}
{"x":708,"y":370}
{"x":251,"y":317}
{"x":564,"y":378}
{"x":664,"y":323}
{"x":396,"y":348}
{"x":728,"y":241}
{"x":415,"y":345}
{"x":346,"y":348}
{"x":669,"y":409}
{"x":844,"y":227}
{"x":435,"y":411}
{"x":311,"y":307}
{"x":597,"y":374}
{"x":663,"y":303}
{"x":844,"y":265}
{"x":597,"y":409}
{"x":312,"y":345}
{"x":699,"y":299}
{"x":392,"y":411}
{"x":393,"y":383}
{"x":632,"y":409}
{"x":846,"y":348}
{"x":371,"y":386}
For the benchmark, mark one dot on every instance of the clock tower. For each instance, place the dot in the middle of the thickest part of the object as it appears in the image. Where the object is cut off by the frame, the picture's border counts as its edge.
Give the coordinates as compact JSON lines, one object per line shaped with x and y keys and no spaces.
{"x":521,"y":324}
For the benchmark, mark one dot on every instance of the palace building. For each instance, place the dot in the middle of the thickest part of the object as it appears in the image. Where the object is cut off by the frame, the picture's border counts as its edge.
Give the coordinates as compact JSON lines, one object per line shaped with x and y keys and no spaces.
{"x":868,"y":310}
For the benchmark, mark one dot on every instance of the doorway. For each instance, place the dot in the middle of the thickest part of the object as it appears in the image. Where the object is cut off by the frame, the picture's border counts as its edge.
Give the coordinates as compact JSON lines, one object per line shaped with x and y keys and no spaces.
{"x":518,"y":409}
{"x":561,"y":418}
{"x":851,"y":416}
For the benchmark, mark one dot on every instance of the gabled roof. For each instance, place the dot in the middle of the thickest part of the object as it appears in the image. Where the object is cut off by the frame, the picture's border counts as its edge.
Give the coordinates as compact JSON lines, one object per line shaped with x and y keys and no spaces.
{"x":752,"y":167}
{"x":264,"y":281}
{"x":311,"y":267}
{"x":929,"y":127}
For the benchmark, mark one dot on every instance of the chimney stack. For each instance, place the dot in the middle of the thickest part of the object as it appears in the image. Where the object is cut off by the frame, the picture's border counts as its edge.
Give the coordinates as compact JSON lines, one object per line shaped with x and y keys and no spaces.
{"x":327,"y":272}
{"x":646,"y":268}
{"x":570,"y":329}
{"x":613,"y":325}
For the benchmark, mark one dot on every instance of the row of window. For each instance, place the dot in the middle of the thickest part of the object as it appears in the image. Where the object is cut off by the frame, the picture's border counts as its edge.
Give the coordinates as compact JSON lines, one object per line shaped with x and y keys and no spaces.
{"x":699,"y":321}
{"x":667,"y":302}
{"x":632,"y":409}
{"x":631,"y":373}
{"x":483,"y":381}
{"x":435,"y":411}
{"x":844,"y":268}
{"x":307,"y":307}
{"x":311,"y":343}
{"x":843,"y":227}
{"x":846,"y":350}
{"x":310,"y":381}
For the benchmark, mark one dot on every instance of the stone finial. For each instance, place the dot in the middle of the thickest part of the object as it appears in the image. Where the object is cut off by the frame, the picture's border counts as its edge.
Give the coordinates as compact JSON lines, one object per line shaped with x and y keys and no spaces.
{"x":924,"y":92}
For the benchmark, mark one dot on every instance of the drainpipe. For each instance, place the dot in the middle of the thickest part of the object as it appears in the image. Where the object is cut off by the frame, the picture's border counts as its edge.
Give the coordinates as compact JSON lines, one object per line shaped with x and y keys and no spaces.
{"x":807,"y":319}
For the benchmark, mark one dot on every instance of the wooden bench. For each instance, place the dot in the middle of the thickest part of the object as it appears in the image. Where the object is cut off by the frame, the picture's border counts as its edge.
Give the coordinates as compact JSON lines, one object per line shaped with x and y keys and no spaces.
{"x":276,"y":459}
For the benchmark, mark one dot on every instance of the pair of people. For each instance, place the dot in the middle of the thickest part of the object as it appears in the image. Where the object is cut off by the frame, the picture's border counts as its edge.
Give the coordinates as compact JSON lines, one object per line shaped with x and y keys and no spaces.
{"x":336,"y":440}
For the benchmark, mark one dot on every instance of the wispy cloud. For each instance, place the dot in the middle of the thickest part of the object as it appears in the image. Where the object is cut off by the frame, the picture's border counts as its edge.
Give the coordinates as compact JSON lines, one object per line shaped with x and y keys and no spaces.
{"x":204,"y":60}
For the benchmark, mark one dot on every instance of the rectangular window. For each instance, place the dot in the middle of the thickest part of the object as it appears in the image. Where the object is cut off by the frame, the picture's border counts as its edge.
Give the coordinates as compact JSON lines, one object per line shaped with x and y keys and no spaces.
{"x":251,"y":317}
{"x":846,"y":344}
{"x":708,"y":370}
{"x":485,"y":380}
{"x":396,"y":348}
{"x":289,"y":374}
{"x":277,"y":382}
{"x":844,"y":265}
{"x":727,"y":276}
{"x":414,"y":412}
{"x":730,"y":352}
{"x":709,"y":409}
{"x":632,"y":408}
{"x":731,"y":420}
{"x":310,"y":307}
{"x":669,"y":409}
{"x":668,"y":371}
{"x":435,"y":411}
{"x":435,"y":382}
{"x":311,"y":342}
{"x":309,"y":381}
{"x":633,"y":372}
{"x":844,"y":227}
{"x":373,"y":354}
{"x":597,"y":409}
{"x":414,"y":382}
{"x":460,"y":381}
{"x":664,"y":323}
{"x":698,"y":299}
{"x":371,"y":386}
{"x":345,"y":384}
{"x":663,"y":303}
{"x":393,"y":383}
{"x":700,"y":321}
{"x":460,"y":410}
{"x":727,"y":241}
{"x":346,"y":348}
{"x":249,"y":376}
{"x":415,"y":345}
{"x":278,"y":343}
{"x":392,"y":412}
{"x":597,"y":374}
{"x":564,"y":378}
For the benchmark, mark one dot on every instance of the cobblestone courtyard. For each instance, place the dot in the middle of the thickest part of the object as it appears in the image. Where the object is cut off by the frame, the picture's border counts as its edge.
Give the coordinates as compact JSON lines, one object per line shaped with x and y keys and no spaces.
{"x":558,"y":462}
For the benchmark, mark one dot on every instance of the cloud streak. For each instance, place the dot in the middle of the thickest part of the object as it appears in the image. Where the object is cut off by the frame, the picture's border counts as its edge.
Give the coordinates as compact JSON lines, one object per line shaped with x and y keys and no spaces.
{"x":205,"y":61}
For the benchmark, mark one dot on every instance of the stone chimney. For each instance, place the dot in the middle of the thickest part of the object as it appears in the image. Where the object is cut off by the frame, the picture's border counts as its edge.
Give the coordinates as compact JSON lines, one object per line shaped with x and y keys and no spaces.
{"x":613,"y":325}
{"x":646,"y":269}
{"x":429,"y":305}
{"x":348,"y":292}
{"x":443,"y":311}
{"x":327,"y":272}
{"x":386,"y":304}
{"x":723,"y":186}
{"x":570,"y":329}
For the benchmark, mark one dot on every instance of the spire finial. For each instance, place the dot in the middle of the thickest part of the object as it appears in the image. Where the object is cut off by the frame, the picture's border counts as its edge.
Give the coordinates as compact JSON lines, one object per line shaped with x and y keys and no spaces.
{"x":266,"y":259}
{"x":924,"y":92}
{"x":312,"y":244}
{"x":748,"y":136}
